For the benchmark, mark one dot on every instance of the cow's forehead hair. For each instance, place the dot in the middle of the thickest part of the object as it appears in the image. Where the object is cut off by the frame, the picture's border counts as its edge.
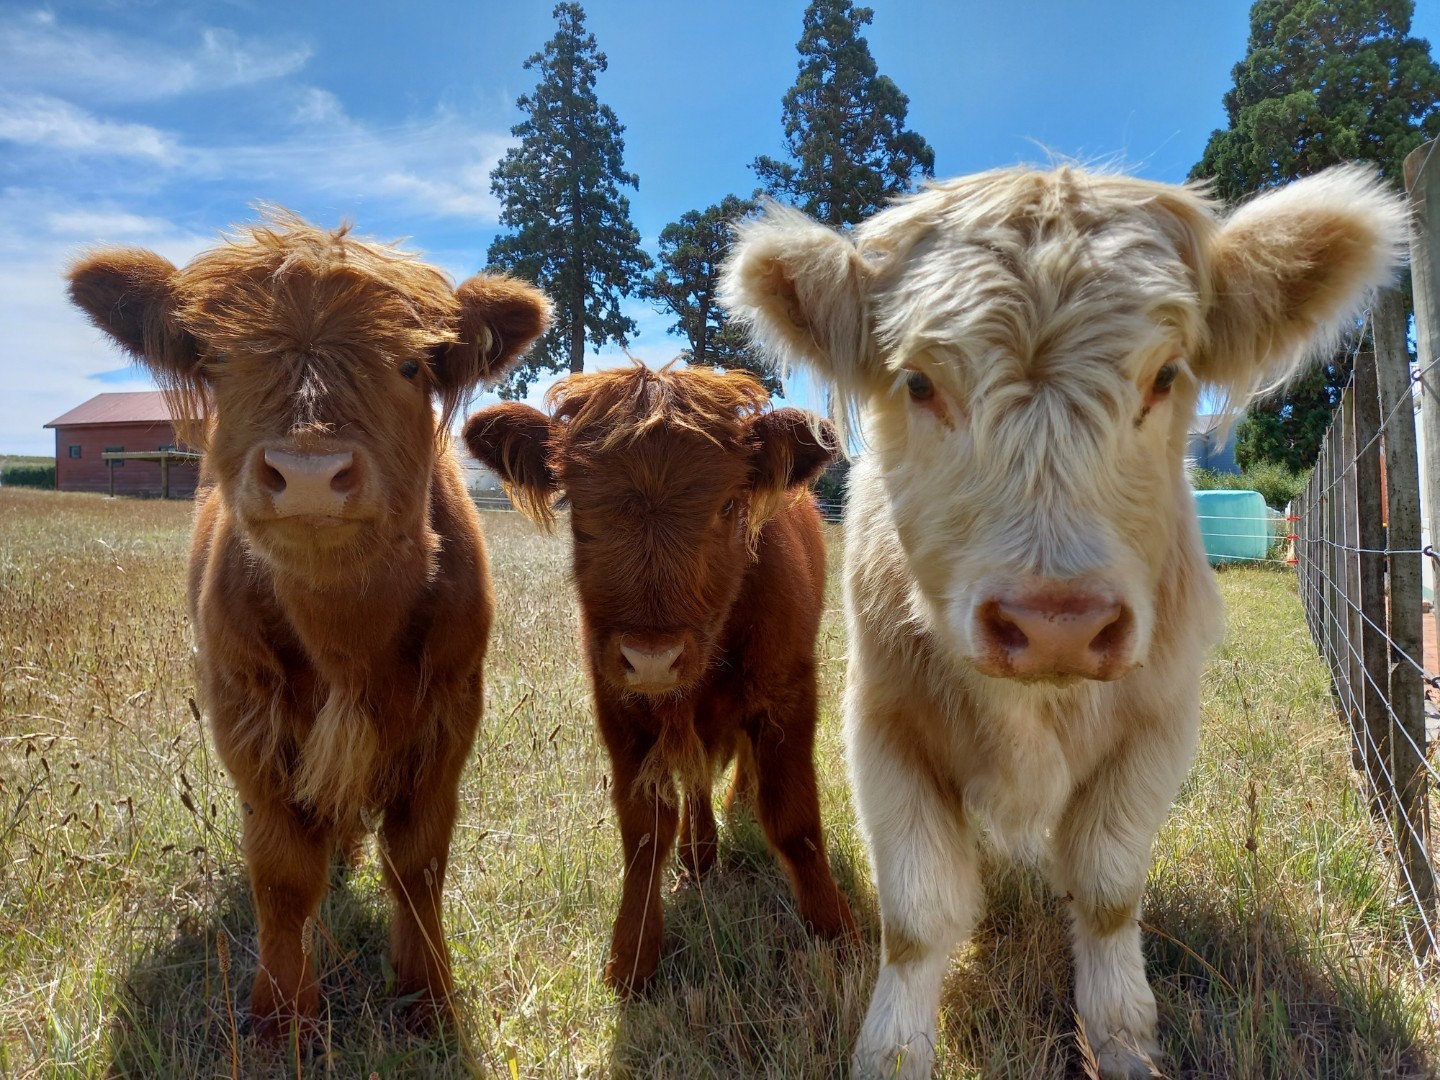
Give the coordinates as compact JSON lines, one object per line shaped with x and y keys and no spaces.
{"x":616,"y":408}
{"x":284,"y":283}
{"x":1044,"y":271}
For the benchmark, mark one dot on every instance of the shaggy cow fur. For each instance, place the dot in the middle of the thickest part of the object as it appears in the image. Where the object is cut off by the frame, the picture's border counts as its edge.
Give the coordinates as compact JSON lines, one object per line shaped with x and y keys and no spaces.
{"x":338,"y":585}
{"x":1028,"y":601}
{"x":700,"y":566}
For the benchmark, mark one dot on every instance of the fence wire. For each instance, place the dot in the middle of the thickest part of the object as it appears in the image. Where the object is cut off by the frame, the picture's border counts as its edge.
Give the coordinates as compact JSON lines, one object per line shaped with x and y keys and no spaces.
{"x":1357,"y":548}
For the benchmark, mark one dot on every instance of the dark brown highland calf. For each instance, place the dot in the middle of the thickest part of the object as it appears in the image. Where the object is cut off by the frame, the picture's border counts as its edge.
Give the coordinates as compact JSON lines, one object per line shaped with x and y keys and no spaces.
{"x":338,"y":584}
{"x":701,"y":569}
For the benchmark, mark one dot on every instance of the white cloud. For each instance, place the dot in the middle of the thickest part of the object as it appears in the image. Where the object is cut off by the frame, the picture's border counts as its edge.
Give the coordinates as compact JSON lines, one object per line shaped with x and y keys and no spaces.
{"x":319,"y":108}
{"x":431,"y":166}
{"x":49,"y":353}
{"x":50,"y":123}
{"x":36,"y":50}
{"x":447,"y":197}
{"x":105,"y":226}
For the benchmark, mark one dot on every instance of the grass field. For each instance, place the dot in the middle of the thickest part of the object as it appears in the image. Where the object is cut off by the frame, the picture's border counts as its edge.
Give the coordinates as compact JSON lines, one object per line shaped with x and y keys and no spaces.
{"x":123,"y":896}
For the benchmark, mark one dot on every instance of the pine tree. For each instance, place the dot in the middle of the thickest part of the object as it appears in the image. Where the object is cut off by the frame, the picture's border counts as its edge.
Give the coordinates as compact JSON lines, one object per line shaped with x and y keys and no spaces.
{"x":691,"y":251}
{"x":844,"y":125}
{"x":560,"y":189}
{"x":1323,"y":81}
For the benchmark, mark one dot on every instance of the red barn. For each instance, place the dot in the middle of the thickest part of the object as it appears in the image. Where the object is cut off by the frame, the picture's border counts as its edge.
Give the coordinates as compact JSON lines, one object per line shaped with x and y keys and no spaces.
{"x":129,"y":424}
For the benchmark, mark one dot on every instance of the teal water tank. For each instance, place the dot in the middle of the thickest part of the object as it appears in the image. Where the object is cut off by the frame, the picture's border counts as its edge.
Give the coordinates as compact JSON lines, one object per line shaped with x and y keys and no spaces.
{"x":1234,"y":525}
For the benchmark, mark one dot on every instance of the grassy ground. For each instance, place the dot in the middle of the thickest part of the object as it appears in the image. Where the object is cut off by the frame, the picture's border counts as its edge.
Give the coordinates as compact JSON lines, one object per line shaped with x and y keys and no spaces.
{"x":126,"y":935}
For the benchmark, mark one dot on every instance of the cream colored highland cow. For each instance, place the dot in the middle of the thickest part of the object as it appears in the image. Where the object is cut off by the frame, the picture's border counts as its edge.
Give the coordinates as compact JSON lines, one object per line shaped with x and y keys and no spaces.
{"x":1028,"y":602}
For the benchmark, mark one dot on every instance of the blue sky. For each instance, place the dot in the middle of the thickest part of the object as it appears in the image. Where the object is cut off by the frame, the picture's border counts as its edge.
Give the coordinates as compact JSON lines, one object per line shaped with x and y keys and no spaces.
{"x":157,"y":124}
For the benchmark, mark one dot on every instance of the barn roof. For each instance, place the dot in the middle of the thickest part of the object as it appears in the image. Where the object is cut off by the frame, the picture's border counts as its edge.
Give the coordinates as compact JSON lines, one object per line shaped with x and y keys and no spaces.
{"x":139,"y":407}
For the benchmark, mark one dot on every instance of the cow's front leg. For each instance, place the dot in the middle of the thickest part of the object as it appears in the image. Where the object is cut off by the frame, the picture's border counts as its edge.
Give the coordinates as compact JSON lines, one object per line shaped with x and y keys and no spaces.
{"x":926,"y":869}
{"x":1101,"y":857}
{"x":788,"y":805}
{"x":288,"y":857}
{"x":414,"y":851}
{"x":647,"y":817}
{"x":698,"y":836}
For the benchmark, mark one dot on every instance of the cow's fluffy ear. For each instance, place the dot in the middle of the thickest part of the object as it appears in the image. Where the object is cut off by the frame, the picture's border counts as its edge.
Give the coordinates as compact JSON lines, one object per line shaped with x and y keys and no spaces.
{"x":131,"y":294}
{"x":792,"y":447}
{"x":798,"y":288}
{"x":1291,"y":270}
{"x":513,"y":439}
{"x":498,"y":320}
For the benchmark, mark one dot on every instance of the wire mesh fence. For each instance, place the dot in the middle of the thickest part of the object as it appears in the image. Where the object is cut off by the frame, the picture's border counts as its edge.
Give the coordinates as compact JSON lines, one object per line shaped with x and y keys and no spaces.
{"x":1358,"y":551}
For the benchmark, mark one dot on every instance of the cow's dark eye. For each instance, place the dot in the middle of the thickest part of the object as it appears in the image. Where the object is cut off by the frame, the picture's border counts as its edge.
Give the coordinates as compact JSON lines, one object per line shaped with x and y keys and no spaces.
{"x":920,"y":386}
{"x":1165,"y":378}
{"x":729,"y":505}
{"x":410,"y":368}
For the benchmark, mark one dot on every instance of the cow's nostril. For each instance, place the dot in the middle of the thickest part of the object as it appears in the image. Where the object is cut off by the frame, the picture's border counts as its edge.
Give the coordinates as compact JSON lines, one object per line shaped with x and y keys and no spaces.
{"x":629,"y":667}
{"x":344,"y":481}
{"x":1113,"y":635}
{"x":271,"y":478}
{"x":1007,"y":635}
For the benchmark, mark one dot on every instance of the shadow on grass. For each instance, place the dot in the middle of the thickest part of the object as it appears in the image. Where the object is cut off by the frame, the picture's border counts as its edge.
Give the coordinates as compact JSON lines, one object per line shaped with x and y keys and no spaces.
{"x":742,"y":989}
{"x":180,"y":1016}
{"x":1234,"y":1000}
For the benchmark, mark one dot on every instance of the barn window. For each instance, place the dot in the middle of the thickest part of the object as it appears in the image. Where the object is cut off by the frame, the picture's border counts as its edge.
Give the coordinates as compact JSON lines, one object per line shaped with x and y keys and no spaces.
{"x":74,"y":451}
{"x":168,"y":446}
{"x":116,"y":450}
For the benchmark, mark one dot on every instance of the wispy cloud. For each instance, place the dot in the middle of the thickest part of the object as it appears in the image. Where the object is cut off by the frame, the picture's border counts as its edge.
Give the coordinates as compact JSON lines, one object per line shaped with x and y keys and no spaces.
{"x":49,"y":353}
{"x":39,"y":120}
{"x":106,"y":225}
{"x":38,"y":50}
{"x":435,"y":166}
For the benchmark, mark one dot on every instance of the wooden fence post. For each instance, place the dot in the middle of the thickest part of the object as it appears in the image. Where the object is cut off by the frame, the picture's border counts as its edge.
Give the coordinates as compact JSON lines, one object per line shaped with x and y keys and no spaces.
{"x":1333,"y":527}
{"x":1423,"y":184}
{"x":1349,"y":540}
{"x":1407,"y":692}
{"x":1370,"y":546}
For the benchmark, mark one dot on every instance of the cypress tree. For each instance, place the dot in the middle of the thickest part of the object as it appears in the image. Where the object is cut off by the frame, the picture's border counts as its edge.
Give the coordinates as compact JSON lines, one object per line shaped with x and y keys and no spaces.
{"x":560,"y":189}
{"x":685,"y":283}
{"x":845,"y":132}
{"x":1322,"y":82}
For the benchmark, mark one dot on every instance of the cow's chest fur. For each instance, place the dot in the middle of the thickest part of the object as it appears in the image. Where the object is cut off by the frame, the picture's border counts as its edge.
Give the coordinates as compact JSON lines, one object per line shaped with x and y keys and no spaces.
{"x":1015,"y":757}
{"x":327,"y":692}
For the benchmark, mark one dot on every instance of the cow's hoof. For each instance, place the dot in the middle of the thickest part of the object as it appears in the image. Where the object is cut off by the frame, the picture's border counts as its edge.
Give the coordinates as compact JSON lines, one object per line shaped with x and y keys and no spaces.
{"x":1122,"y":1059}
{"x":425,"y":1016}
{"x":627,"y":980}
{"x":893,"y":1062}
{"x":282,"y":1029}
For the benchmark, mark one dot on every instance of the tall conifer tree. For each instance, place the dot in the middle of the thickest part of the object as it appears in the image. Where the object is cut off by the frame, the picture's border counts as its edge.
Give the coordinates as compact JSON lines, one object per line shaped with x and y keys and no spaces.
{"x":1322,"y":81}
{"x":844,"y":122}
{"x":560,"y":191}
{"x":685,"y":284}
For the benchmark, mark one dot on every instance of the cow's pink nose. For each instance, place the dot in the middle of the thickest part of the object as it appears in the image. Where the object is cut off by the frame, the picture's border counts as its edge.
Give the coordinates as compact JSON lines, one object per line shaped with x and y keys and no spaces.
{"x":651,"y":669}
{"x":1044,"y":636}
{"x":315,"y":484}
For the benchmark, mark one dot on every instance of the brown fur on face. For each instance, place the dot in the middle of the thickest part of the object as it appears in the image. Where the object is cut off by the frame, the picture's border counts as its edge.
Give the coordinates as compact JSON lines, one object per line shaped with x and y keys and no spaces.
{"x":340,"y":654}
{"x":693,"y":533}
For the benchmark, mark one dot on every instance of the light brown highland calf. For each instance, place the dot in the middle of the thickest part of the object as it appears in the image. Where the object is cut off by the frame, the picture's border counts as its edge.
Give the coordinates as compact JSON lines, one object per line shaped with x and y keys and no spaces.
{"x":1028,"y":601}
{"x":338,"y":583}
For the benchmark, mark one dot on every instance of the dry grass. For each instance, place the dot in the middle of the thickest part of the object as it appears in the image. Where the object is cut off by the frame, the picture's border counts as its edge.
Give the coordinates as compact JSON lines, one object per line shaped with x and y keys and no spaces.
{"x":121,"y":885}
